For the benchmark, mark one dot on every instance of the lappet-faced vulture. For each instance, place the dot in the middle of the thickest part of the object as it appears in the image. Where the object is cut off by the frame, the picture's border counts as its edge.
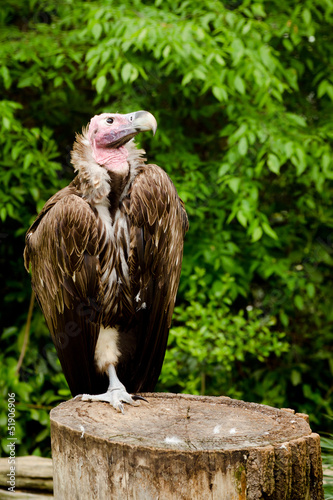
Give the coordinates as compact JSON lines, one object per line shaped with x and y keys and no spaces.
{"x":105,"y":255}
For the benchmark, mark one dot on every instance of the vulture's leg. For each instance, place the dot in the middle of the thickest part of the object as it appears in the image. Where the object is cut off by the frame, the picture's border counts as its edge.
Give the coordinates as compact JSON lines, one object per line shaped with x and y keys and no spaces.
{"x":116,"y":393}
{"x":106,"y":357}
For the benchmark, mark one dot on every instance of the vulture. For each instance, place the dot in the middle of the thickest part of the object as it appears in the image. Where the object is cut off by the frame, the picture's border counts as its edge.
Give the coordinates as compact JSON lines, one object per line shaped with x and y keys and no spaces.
{"x":105,"y":256}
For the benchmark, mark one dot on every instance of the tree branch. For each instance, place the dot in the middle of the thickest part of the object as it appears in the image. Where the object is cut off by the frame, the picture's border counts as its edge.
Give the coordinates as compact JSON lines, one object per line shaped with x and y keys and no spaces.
{"x":26,"y":333}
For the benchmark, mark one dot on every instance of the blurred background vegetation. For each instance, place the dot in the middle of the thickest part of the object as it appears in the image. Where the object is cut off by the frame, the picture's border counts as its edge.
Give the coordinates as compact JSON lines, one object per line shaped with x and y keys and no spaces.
{"x":242,"y":92}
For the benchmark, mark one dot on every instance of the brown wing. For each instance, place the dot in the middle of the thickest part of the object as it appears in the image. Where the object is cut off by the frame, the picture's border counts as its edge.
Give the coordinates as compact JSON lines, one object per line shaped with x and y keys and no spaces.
{"x":158,"y":224}
{"x":62,"y":246}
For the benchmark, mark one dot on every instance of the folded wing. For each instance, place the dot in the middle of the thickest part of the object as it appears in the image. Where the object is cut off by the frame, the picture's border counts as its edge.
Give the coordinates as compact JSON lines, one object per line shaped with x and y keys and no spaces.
{"x":158,"y":222}
{"x":62,"y":247}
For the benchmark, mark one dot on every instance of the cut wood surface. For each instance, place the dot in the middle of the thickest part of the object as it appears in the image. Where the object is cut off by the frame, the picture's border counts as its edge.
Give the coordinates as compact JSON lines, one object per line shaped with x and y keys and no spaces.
{"x":184,"y":447}
{"x":33,"y":474}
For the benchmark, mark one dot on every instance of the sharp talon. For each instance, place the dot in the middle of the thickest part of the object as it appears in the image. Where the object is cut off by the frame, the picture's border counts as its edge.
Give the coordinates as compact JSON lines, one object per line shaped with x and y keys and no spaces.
{"x":116,"y":394}
{"x":135,"y":397}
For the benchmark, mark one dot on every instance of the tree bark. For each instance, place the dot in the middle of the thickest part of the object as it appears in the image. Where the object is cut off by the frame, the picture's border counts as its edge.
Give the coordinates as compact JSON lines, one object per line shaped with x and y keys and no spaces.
{"x":183,"y":447}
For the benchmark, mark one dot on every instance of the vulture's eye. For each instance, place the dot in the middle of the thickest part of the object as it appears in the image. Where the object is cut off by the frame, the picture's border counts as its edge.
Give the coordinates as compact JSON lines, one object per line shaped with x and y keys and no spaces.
{"x":109,"y":120}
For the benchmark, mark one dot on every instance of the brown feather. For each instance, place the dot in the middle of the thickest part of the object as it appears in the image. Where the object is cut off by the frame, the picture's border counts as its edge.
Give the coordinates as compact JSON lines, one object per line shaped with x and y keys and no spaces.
{"x":155,"y":264}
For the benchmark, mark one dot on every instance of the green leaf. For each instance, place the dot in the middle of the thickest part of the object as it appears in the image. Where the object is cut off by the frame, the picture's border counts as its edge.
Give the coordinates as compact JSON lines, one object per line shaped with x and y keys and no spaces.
{"x":300,"y":160}
{"x":299,"y":303}
{"x":306,"y":14}
{"x":239,"y":84}
{"x":3,"y":214}
{"x":284,"y":318}
{"x":6,"y":76}
{"x":28,"y":159}
{"x":97,"y":31}
{"x":237,"y":50}
{"x":269,"y":231}
{"x":242,"y":219}
{"x":220,"y":93}
{"x":223,"y":169}
{"x":330,"y":91}
{"x":310,"y":290}
{"x":6,"y":122}
{"x":273,"y":163}
{"x":296,"y":119}
{"x":166,"y":51}
{"x":295,"y":377}
{"x":64,"y":392}
{"x":266,"y":57}
{"x":58,"y":81}
{"x":234,"y":184}
{"x":257,"y":234}
{"x":219,"y":59}
{"x":288,"y":45}
{"x":322,"y":88}
{"x":126,"y":72}
{"x":243,"y":146}
{"x":100,"y":84}
{"x":34,"y":193}
{"x":187,"y":78}
{"x":44,"y":434}
{"x":326,"y":161}
{"x":258,"y":9}
{"x":289,"y":148}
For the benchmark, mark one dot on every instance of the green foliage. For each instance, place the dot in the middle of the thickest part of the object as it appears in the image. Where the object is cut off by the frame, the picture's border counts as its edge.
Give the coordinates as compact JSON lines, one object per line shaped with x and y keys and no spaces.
{"x":210,"y":341}
{"x":242,"y":92}
{"x":327,"y":455}
{"x":40,"y":386}
{"x":26,"y":161}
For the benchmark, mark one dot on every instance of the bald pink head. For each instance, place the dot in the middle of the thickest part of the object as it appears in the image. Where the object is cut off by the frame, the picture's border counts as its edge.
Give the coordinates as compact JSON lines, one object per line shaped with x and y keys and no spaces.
{"x":108,"y":132}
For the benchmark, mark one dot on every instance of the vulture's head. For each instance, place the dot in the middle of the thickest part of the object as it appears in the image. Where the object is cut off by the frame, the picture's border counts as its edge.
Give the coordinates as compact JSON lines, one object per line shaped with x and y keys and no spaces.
{"x":109,"y":132}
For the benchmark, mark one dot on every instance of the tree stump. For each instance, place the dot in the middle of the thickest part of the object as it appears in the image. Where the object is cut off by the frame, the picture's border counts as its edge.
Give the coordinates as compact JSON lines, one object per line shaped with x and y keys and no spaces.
{"x":184,"y":447}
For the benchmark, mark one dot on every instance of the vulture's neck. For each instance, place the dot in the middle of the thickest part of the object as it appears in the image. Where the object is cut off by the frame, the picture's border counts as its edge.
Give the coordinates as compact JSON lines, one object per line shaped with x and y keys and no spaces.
{"x":107,"y":181}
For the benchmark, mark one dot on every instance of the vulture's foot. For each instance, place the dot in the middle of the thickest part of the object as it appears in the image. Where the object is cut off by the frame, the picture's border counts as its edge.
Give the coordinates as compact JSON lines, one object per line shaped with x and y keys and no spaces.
{"x":116,"y":394}
{"x":116,"y":397}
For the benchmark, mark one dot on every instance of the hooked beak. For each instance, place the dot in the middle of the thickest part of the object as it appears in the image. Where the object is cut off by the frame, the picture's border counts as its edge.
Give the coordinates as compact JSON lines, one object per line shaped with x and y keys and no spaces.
{"x":133,"y":123}
{"x":142,"y":121}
